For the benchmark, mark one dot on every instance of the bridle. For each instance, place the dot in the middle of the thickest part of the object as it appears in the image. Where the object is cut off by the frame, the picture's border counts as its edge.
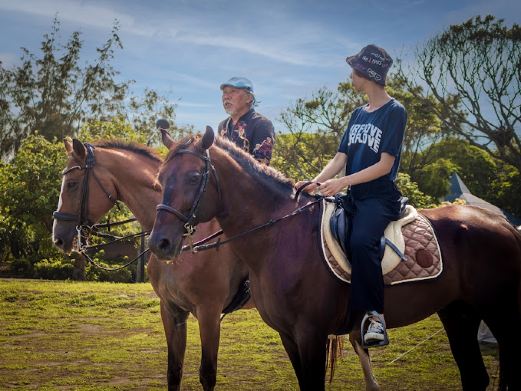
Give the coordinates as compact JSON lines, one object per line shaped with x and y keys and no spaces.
{"x":83,"y":224}
{"x":190,"y":220}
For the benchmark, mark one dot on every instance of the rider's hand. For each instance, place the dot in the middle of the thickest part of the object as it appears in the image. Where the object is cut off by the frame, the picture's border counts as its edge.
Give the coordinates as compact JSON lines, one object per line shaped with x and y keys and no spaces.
{"x":332,"y":187}
{"x":309,"y":188}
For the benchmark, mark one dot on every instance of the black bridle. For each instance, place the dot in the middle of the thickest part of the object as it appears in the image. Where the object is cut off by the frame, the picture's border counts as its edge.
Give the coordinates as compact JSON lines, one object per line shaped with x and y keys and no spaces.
{"x":190,"y":220}
{"x":83,"y":224}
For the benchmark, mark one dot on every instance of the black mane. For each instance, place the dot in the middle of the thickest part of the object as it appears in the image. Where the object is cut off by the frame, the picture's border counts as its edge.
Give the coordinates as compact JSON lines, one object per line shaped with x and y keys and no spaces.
{"x":131,"y":147}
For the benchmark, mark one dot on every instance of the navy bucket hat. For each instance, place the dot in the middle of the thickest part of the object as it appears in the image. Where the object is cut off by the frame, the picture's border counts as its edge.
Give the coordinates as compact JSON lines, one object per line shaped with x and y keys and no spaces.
{"x":373,"y":62}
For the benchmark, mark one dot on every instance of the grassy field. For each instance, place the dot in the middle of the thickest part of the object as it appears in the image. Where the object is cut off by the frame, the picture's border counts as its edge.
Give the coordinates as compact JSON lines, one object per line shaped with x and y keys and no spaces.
{"x":103,"y":336}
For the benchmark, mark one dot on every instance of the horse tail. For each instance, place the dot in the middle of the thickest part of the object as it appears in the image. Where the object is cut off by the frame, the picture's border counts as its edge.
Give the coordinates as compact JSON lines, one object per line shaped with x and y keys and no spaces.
{"x":334,"y":349}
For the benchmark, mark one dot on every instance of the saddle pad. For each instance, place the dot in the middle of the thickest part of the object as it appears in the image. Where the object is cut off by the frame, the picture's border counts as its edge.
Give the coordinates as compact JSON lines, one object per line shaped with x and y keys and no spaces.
{"x":412,"y":234}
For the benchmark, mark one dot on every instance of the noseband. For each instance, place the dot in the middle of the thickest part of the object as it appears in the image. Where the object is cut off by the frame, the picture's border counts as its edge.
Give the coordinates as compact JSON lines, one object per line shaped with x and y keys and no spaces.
{"x":190,"y":219}
{"x":82,"y":220}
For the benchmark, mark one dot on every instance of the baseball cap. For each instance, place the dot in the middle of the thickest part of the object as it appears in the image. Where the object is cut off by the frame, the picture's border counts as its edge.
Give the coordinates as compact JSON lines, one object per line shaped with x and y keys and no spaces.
{"x":239,"y":82}
{"x":373,"y":62}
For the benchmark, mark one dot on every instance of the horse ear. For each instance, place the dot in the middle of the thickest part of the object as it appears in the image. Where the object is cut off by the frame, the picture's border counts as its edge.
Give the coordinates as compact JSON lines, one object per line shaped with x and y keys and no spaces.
{"x":67,"y":141}
{"x":168,"y":141}
{"x":208,"y":138}
{"x":79,"y":149}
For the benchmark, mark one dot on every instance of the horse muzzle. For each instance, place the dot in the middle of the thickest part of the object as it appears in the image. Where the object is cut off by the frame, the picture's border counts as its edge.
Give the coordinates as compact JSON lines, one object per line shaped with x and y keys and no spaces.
{"x":163,"y":246}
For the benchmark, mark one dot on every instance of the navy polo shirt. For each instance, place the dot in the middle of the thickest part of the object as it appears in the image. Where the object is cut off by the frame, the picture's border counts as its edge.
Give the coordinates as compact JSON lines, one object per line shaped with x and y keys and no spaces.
{"x":367,"y":136}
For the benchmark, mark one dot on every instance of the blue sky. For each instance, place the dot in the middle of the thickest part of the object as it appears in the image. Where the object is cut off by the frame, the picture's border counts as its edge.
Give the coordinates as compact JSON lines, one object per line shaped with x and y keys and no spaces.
{"x":185,"y":48}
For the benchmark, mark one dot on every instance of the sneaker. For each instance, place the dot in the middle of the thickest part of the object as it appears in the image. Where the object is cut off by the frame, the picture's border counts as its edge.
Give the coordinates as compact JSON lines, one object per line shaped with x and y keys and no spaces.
{"x":375,"y":331}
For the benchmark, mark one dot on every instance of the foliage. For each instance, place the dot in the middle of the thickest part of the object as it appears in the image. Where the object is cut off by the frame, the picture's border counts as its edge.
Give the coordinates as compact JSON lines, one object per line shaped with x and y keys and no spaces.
{"x":486,"y":177}
{"x":410,"y":189}
{"x":54,"y":95}
{"x":29,"y":190}
{"x":473,"y":71}
{"x":93,"y":273}
{"x":53,"y":269}
{"x":315,"y":127}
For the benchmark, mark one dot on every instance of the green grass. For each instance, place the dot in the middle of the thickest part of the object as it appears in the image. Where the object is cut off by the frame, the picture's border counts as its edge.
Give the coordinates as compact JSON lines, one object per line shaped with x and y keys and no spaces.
{"x":105,"y":336}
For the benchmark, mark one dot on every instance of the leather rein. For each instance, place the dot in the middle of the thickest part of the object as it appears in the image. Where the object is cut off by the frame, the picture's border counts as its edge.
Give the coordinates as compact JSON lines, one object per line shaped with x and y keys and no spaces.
{"x":84,"y":227}
{"x":191,"y":219}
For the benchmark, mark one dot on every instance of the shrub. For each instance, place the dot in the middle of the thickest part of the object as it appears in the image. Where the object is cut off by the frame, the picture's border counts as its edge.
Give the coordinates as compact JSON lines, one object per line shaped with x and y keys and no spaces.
{"x":53,"y":269}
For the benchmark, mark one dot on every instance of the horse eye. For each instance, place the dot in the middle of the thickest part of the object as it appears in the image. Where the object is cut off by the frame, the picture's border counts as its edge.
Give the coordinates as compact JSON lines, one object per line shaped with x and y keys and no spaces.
{"x":194,"y":178}
{"x":72,"y":185}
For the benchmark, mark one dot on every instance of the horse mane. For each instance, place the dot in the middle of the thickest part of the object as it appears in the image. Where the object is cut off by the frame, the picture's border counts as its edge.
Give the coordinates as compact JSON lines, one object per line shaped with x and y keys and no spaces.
{"x":136,"y":148}
{"x":269,"y":176}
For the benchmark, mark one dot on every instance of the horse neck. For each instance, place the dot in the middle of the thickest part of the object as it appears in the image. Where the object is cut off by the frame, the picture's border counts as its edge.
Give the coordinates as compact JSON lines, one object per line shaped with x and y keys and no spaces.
{"x":247,"y":201}
{"x":134,"y":177}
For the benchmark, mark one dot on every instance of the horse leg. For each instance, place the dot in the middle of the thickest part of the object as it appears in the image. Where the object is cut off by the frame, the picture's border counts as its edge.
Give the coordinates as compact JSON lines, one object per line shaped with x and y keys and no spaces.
{"x":505,"y":325}
{"x":312,"y":353}
{"x":174,"y":323}
{"x":365,"y":361}
{"x":292,"y":350}
{"x":461,"y":323}
{"x":209,"y":330}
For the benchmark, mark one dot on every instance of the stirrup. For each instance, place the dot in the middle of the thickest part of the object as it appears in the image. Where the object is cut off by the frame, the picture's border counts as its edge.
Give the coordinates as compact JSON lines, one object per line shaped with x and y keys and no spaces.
{"x":364,"y":326}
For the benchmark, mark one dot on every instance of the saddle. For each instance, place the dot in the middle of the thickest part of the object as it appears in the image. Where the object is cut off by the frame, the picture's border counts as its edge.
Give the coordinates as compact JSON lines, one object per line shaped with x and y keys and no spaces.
{"x":339,"y":224}
{"x":409,"y":247}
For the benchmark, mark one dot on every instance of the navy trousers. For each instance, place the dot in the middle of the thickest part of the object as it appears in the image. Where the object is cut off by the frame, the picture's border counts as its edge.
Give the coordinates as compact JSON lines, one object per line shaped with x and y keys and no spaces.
{"x":371,"y":217}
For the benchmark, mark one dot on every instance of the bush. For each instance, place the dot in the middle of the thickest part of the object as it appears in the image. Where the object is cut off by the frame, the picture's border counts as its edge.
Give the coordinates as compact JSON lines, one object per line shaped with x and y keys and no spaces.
{"x":94,"y":273}
{"x":21,"y":267}
{"x":53,"y":269}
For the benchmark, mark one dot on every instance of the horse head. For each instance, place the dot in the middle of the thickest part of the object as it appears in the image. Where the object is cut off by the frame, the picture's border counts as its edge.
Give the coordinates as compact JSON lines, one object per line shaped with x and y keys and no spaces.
{"x":190,"y":187}
{"x":85,"y":196}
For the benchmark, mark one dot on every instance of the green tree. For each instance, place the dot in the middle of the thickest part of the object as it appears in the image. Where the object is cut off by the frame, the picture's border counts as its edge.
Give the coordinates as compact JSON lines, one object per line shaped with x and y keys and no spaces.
{"x":29,"y":190}
{"x":315,"y":128}
{"x":473,"y":70}
{"x":485,"y":176}
{"x":54,"y":95}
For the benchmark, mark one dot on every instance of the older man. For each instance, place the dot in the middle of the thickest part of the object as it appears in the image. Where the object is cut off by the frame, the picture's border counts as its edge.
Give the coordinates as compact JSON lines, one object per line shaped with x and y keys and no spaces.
{"x":248,"y":129}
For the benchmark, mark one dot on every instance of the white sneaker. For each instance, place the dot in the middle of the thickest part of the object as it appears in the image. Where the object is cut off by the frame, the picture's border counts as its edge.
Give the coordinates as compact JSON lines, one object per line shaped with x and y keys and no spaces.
{"x":375,"y":331}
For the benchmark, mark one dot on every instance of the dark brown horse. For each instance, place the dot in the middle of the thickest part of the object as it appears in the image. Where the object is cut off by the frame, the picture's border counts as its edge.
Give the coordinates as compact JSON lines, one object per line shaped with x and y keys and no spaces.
{"x":297,"y":294}
{"x":203,"y":284}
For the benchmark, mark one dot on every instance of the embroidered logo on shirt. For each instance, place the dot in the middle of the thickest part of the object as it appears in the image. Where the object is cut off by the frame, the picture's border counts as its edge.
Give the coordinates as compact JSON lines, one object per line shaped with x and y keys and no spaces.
{"x":366,"y":134}
{"x":262,"y":152}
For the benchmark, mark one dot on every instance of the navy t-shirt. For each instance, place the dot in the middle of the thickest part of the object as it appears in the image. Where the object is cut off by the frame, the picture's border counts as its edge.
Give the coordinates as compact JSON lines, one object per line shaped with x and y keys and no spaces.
{"x":368,"y":134}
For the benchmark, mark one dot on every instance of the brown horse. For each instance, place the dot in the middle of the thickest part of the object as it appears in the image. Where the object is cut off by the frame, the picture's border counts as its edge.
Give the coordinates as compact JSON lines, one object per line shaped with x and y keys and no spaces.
{"x":203,"y":284}
{"x":297,"y":294}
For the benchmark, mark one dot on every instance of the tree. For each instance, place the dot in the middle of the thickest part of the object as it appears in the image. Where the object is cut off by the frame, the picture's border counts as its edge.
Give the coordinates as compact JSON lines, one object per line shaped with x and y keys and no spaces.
{"x":315,"y":128}
{"x":25,"y":215}
{"x":54,"y":95}
{"x":474,"y":71}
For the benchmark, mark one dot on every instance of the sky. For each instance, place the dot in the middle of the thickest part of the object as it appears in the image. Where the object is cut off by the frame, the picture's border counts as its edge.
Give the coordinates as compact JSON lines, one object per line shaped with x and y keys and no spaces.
{"x":184,"y":49}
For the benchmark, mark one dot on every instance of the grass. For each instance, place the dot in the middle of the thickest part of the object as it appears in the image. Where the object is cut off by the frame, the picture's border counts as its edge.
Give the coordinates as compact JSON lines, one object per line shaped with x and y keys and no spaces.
{"x":104,"y":336}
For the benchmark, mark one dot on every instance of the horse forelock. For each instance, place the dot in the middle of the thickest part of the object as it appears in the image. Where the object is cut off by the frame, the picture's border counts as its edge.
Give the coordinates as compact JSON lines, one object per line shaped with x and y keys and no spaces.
{"x":136,"y":148}
{"x":184,"y":143}
{"x":269,"y":176}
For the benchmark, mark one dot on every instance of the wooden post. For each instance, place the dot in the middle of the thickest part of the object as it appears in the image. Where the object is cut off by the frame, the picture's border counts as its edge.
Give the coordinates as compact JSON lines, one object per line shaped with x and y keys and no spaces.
{"x":140,"y":269}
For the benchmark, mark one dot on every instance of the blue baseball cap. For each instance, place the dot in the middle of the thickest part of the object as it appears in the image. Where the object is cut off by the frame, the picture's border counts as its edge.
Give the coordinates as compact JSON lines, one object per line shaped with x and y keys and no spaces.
{"x":239,"y":82}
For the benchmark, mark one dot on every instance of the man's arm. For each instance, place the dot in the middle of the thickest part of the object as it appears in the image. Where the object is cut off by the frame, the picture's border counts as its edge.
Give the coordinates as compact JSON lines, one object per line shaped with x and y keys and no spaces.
{"x":263,"y":140}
